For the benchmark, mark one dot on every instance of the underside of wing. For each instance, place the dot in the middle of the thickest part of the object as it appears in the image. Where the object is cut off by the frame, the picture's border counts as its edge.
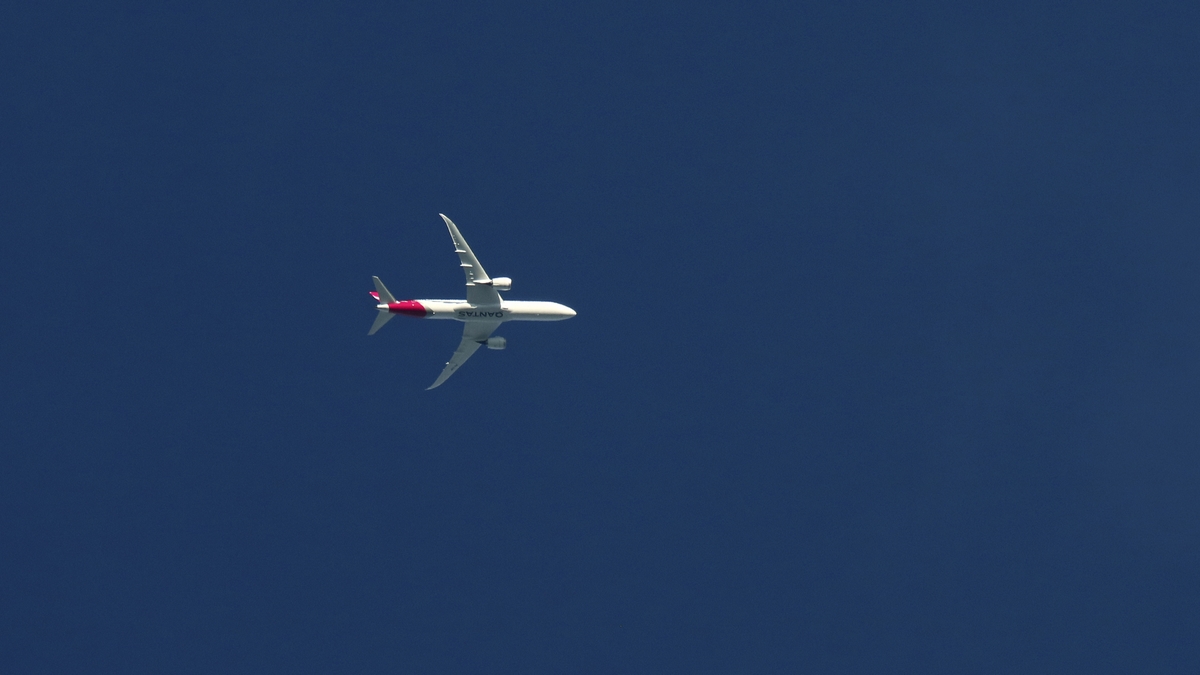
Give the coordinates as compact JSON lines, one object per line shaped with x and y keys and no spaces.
{"x":479,"y":288}
{"x":475,"y":333}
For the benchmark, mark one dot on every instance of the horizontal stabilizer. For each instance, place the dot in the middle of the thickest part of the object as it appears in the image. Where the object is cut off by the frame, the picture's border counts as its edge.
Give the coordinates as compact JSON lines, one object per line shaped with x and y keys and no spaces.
{"x":384,"y":317}
{"x":382,"y":290}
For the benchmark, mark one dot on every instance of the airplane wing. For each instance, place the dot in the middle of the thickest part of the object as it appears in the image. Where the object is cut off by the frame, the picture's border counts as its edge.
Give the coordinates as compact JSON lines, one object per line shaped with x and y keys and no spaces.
{"x":479,"y":288}
{"x":475,"y":333}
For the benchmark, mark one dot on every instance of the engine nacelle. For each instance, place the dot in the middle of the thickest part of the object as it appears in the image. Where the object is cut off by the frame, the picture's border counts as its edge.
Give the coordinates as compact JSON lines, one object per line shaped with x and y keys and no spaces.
{"x":502,"y":283}
{"x":497,"y":343}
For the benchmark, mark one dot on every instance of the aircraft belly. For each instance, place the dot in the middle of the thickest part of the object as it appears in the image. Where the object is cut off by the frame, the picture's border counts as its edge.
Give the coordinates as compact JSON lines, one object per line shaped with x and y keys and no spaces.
{"x":481,"y":314}
{"x":444,"y":309}
{"x":518,"y":310}
{"x":526,"y":310}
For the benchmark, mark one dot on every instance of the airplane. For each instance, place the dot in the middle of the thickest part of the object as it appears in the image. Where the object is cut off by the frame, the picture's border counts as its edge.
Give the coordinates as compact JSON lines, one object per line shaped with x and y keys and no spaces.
{"x":482,"y":312}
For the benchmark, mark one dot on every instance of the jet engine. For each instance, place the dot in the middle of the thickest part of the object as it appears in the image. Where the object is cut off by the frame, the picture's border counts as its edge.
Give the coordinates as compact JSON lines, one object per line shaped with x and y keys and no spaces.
{"x":497,"y":343}
{"x":502,"y":283}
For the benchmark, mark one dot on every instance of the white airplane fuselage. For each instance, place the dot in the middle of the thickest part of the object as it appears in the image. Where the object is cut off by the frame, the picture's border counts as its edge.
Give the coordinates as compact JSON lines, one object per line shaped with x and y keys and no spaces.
{"x":481,"y":313}
{"x":461,"y":310}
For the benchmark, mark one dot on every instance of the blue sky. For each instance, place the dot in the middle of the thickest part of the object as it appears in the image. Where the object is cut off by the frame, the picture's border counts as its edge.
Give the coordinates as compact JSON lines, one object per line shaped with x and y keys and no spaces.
{"x":885,"y":358}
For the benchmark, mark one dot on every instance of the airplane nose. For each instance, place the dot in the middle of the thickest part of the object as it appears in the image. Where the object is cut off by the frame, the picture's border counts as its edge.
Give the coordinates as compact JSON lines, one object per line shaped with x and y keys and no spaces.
{"x":568,"y":312}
